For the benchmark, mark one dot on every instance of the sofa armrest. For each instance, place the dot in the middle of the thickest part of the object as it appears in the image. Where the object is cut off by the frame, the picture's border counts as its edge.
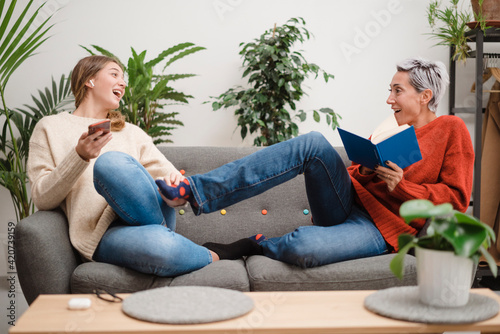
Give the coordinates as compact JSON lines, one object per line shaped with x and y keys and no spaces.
{"x":45,"y":259}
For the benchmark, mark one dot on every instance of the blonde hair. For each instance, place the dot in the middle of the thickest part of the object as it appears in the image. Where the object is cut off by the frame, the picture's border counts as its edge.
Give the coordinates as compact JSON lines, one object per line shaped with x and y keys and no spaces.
{"x":86,"y":69}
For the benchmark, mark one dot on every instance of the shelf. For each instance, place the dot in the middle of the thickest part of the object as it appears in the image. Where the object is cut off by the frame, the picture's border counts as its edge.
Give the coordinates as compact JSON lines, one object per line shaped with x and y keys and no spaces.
{"x":472,"y":54}
{"x":479,"y":38}
{"x":492,"y":35}
{"x":454,"y":111}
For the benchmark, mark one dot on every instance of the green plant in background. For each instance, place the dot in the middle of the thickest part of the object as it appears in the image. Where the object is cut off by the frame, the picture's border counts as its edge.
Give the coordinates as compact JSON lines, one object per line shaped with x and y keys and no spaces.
{"x":50,"y":101}
{"x":449,"y":26}
{"x":276,"y":75}
{"x":19,"y":39}
{"x":449,"y":230}
{"x":146,"y":91}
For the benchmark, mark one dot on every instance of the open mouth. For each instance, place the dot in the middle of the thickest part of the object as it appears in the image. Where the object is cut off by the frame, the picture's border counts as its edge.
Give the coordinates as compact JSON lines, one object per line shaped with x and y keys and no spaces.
{"x":117,"y":93}
{"x":397,"y":110}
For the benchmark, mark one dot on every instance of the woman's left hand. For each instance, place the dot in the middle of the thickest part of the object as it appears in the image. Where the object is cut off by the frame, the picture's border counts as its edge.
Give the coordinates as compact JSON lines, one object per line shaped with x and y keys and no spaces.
{"x":392,"y":175}
{"x":174,"y":178}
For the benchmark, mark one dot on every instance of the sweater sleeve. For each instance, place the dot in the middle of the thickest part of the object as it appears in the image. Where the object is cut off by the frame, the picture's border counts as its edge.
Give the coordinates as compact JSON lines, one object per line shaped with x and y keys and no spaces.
{"x":50,"y":184}
{"x":454,"y":184}
{"x":363,"y":179}
{"x":153,"y":160}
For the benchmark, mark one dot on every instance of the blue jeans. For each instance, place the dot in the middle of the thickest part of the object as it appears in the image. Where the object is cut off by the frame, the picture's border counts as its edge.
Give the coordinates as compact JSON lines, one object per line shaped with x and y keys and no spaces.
{"x":342,"y":231}
{"x":143,"y":236}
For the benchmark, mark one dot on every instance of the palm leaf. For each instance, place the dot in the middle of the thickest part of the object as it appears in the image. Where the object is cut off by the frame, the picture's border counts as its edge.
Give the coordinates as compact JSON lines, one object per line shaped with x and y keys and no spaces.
{"x":173,"y":77}
{"x":12,"y":55}
{"x":16,"y":45}
{"x":168,"y":52}
{"x":49,"y":102}
{"x":183,"y":54}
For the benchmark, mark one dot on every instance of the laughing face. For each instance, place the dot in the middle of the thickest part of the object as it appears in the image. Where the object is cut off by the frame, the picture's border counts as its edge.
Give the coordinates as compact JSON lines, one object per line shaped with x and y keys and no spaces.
{"x":109,"y":85}
{"x":409,"y":106}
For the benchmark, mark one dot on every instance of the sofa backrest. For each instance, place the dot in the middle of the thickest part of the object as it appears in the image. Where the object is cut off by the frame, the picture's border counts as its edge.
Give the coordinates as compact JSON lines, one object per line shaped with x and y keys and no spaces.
{"x":285,"y":204}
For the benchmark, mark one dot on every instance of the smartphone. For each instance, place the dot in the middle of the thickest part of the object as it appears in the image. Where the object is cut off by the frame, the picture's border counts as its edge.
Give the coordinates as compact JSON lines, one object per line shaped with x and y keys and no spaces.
{"x":105,"y":126}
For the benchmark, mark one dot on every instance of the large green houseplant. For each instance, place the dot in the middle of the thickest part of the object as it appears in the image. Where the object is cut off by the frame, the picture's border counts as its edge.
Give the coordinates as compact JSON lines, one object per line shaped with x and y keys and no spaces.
{"x":20,"y":37}
{"x":449,"y":24}
{"x":457,"y":237}
{"x":148,"y":92}
{"x":276,"y":75}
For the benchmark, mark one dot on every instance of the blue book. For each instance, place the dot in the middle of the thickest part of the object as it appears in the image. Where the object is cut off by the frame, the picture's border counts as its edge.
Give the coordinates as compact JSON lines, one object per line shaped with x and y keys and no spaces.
{"x":401,"y":148}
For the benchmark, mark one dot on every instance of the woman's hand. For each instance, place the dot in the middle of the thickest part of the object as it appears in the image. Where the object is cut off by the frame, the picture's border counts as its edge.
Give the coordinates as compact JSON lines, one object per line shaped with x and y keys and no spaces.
{"x":173,"y":180}
{"x":365,"y":170}
{"x":89,"y":146}
{"x":392,"y":176}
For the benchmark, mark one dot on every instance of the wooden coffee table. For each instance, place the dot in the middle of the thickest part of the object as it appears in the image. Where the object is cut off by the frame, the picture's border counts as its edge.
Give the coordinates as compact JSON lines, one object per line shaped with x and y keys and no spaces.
{"x":274,"y":312}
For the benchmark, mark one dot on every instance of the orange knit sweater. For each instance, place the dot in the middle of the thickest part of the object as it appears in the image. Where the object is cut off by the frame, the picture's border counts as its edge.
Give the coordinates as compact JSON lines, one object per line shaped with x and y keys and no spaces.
{"x":443,"y":175}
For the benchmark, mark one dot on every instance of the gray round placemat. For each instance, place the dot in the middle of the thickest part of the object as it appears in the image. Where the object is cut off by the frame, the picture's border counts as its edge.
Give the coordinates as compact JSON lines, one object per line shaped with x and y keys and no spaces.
{"x":187,"y":305}
{"x":403,"y":303}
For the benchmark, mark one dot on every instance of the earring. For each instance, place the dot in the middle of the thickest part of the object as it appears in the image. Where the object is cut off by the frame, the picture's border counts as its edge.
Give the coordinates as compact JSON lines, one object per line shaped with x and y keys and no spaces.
{"x":91,"y":83}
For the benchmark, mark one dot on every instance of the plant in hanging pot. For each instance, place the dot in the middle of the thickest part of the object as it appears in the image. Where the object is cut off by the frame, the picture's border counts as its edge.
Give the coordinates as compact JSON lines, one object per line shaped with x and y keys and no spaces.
{"x":447,"y":255}
{"x":450,"y":24}
{"x":489,"y":10}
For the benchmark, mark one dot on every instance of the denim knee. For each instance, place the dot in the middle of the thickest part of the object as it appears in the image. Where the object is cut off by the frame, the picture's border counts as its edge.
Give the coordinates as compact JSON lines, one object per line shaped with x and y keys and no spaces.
{"x":108,"y":160}
{"x":300,"y":251}
{"x":317,"y":139}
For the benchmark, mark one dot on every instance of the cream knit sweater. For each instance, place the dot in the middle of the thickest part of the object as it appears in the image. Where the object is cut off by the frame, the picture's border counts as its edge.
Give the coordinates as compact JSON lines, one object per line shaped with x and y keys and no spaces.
{"x":59,"y":177}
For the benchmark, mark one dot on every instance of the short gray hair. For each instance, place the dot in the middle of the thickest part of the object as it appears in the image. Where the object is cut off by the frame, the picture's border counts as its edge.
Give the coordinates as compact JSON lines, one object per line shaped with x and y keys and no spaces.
{"x":425,"y":74}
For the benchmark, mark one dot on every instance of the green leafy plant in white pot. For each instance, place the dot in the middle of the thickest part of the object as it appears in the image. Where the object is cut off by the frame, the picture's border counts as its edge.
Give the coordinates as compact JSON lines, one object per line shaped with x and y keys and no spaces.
{"x":447,"y":255}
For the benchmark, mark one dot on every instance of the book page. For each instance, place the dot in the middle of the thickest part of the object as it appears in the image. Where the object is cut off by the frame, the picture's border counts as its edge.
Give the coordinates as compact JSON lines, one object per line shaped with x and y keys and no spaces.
{"x":386,"y":129}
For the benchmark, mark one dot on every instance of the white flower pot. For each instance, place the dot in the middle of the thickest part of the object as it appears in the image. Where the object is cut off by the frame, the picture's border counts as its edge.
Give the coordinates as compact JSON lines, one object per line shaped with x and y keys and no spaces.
{"x":444,"y":279}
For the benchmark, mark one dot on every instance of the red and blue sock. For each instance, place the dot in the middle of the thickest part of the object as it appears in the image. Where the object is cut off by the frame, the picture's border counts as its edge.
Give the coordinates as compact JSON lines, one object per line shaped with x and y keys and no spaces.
{"x":172,"y":192}
{"x":258,"y":238}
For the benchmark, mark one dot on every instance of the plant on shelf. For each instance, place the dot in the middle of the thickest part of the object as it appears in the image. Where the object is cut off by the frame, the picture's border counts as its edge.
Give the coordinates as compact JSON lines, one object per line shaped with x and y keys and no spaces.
{"x":448,"y":230}
{"x":20,"y":37}
{"x":146,"y":91}
{"x":276,"y":74}
{"x":450,"y":24}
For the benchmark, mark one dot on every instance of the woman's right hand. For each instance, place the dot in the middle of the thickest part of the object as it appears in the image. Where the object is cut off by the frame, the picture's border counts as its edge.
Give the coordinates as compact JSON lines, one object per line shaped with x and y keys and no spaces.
{"x":89,"y":146}
{"x":365,"y":170}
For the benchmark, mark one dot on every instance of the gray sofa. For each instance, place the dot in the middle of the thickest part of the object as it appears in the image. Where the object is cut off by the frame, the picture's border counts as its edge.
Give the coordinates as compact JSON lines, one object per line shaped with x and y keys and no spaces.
{"x":48,"y":264}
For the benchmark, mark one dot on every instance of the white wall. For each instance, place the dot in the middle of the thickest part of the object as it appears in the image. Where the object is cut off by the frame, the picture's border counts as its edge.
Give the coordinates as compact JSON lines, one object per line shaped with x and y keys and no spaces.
{"x":358,"y":41}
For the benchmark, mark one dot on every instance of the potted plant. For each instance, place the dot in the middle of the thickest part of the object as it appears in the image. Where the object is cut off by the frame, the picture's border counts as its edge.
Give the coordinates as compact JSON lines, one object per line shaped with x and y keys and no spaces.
{"x":146,"y":90}
{"x":489,"y":10}
{"x":275,"y":76}
{"x":447,"y":254}
{"x":450,"y":24}
{"x":20,"y":37}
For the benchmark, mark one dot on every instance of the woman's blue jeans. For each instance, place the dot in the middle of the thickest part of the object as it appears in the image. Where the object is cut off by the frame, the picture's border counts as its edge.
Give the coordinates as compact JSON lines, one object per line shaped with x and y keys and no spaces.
{"x":143,"y":236}
{"x":341,"y":231}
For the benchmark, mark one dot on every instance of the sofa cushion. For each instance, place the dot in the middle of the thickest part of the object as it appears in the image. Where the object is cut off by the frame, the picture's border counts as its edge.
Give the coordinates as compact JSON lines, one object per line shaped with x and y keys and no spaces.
{"x":370,"y":273}
{"x":220,"y":274}
{"x":94,"y":275}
